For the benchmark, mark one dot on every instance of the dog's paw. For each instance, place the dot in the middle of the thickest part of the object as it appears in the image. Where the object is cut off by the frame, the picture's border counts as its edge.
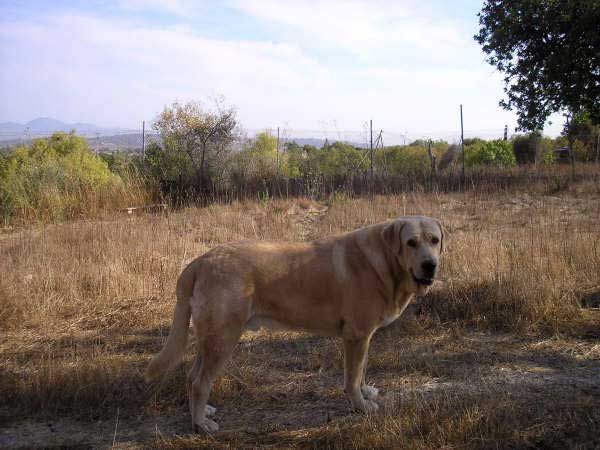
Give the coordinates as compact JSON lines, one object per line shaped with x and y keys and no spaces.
{"x":371,"y":406}
{"x":206,"y":426}
{"x":210,"y":410}
{"x":370,"y":392}
{"x":365,"y":406}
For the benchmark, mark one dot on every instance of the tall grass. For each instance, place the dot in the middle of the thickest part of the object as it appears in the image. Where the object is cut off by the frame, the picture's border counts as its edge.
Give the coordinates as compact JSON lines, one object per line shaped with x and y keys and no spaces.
{"x":84,"y":304}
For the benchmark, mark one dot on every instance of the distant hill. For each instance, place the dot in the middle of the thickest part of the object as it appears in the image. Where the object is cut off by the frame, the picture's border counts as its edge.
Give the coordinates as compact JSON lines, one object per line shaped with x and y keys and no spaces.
{"x":99,"y":138}
{"x":45,"y":126}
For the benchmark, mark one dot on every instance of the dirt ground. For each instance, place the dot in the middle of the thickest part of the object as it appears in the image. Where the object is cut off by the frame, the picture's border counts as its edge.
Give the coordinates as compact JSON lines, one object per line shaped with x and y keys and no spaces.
{"x":268,"y":399}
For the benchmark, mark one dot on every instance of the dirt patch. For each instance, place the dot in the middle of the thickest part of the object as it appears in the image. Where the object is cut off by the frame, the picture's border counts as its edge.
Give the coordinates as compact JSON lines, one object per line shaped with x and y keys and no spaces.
{"x":261,"y":400}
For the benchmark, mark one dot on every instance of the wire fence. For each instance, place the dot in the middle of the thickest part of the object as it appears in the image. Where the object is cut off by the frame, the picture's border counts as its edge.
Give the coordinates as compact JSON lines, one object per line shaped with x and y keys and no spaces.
{"x":130,"y":139}
{"x":229,"y":184}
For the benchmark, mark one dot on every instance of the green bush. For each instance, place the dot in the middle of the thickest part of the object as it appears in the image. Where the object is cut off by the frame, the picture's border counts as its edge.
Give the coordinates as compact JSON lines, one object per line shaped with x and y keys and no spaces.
{"x":525,"y":148}
{"x":55,"y":178}
{"x":497,"y":153}
{"x":410,"y":159}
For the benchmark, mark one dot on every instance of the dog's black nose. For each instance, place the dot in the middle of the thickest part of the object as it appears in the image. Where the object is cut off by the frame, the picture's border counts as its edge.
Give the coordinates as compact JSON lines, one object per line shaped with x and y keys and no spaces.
{"x":429,"y":268}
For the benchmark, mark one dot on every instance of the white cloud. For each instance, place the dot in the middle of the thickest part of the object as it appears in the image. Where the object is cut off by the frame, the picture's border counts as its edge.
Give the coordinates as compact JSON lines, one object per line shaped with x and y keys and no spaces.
{"x":177,"y":7}
{"x":122,"y":70}
{"x":118,"y":72}
{"x":360,"y":27}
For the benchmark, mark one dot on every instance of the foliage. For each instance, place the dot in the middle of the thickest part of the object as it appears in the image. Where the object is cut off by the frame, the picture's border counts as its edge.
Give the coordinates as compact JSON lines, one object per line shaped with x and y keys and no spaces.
{"x":166,"y":164}
{"x":262,"y":155}
{"x":120,"y":162}
{"x":292,"y":159}
{"x":339,"y":158}
{"x":525,"y":148}
{"x":336,"y":159}
{"x":203,"y":136}
{"x":413,"y":158}
{"x":545,"y":150}
{"x":584,"y":136}
{"x":492,"y":153}
{"x":549,"y":53}
{"x":55,"y":177}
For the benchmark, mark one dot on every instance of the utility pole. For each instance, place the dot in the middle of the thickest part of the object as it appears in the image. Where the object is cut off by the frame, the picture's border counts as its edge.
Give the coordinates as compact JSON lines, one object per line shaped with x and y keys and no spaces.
{"x":506,"y":132}
{"x":570,"y":143}
{"x":462,"y":143}
{"x":277,"y":149}
{"x":143,"y":139}
{"x":431,"y":158}
{"x":371,"y":128}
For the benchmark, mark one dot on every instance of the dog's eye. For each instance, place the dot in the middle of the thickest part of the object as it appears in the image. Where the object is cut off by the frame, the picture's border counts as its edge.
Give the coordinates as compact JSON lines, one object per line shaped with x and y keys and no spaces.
{"x":412,"y":243}
{"x":434,"y":240}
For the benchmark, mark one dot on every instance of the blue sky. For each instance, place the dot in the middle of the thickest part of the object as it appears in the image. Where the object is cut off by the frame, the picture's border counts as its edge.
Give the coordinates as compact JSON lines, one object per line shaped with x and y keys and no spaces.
{"x":310,"y":65}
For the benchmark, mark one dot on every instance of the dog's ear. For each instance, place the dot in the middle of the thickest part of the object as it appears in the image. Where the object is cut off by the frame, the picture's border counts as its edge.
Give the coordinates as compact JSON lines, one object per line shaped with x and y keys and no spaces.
{"x":444,"y":236}
{"x":391,"y":235}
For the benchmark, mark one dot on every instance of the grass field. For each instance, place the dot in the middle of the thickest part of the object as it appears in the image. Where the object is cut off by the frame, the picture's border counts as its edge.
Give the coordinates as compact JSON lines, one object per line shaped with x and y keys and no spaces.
{"x":503,"y":353}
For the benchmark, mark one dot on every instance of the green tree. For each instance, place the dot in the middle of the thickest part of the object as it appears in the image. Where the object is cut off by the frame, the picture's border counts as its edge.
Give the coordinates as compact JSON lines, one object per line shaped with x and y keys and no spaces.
{"x":292,"y":160}
{"x":167,"y":164}
{"x":583,"y":135}
{"x":204,"y":136}
{"x":263,"y":155}
{"x":549,"y":53}
{"x":525,"y":147}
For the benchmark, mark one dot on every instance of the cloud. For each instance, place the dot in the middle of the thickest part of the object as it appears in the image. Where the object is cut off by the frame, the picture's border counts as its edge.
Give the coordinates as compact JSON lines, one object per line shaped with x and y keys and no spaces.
{"x":120,"y":71}
{"x":362,"y":28}
{"x":118,"y":68}
{"x":177,"y":7}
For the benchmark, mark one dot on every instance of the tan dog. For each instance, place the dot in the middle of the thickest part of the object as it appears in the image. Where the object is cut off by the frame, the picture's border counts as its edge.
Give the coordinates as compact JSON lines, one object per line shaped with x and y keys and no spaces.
{"x":347,"y":285}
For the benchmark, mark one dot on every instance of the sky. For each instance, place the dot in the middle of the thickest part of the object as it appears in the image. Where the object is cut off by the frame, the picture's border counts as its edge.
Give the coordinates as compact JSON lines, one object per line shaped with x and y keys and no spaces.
{"x":328,"y":66}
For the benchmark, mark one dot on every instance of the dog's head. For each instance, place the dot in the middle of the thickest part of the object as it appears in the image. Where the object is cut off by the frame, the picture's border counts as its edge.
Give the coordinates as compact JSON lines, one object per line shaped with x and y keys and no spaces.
{"x":417,"y":243}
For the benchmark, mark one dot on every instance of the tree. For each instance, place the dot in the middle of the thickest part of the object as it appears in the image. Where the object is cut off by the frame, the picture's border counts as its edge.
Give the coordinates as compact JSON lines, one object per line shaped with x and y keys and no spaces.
{"x":549,"y":52}
{"x":582,"y":135}
{"x":525,"y":148}
{"x":203,"y":135}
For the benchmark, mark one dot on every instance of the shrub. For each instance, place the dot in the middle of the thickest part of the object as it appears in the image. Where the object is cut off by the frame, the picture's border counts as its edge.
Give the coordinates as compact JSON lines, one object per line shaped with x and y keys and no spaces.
{"x":493,"y":153}
{"x":57,"y":178}
{"x":525,"y":148}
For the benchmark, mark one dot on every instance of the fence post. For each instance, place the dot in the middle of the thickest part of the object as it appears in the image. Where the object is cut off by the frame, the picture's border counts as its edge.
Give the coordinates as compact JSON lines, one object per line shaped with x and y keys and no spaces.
{"x":462,"y":144}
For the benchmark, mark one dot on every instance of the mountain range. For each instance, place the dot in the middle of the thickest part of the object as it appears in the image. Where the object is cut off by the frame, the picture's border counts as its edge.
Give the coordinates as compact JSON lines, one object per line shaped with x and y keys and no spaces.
{"x":99,"y":138}
{"x":44,"y":126}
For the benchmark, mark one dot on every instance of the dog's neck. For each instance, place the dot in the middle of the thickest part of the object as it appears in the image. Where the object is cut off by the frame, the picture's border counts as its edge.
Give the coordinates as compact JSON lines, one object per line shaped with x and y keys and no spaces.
{"x":387,"y":267}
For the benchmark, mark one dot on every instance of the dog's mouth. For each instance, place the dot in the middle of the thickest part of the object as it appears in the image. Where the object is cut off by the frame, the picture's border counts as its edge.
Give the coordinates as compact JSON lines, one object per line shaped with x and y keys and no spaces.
{"x":421,"y":281}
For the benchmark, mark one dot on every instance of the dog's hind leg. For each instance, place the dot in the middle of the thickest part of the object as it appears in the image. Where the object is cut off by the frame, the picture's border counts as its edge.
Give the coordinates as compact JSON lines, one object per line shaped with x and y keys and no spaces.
{"x":219,"y":313}
{"x":192,"y":375}
{"x":216,"y":353}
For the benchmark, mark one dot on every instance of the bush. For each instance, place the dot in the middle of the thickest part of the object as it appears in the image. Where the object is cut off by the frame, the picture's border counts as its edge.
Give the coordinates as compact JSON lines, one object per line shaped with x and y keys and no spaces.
{"x":411,"y":159}
{"x":57,"y":178}
{"x":525,"y":148}
{"x":492,"y":153}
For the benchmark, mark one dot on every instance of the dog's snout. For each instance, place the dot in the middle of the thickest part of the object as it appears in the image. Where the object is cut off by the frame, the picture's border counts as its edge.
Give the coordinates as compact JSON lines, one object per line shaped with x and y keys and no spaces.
{"x":429,"y":267}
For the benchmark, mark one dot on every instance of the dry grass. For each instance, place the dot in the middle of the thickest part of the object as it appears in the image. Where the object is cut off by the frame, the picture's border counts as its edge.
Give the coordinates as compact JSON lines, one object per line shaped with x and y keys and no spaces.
{"x":500,"y":355}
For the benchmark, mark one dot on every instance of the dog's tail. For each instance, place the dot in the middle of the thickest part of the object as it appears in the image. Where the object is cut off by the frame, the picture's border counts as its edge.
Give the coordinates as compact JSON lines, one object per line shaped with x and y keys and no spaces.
{"x":174,"y":349}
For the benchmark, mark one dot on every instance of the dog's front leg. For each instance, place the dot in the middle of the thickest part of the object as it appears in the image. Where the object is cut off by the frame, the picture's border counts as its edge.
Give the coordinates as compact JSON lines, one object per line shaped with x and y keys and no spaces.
{"x":355,"y":360}
{"x":369,"y":392}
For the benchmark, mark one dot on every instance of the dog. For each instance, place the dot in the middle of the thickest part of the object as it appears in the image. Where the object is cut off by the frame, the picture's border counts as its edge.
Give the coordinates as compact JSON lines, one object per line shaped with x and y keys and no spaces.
{"x":347,"y":285}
